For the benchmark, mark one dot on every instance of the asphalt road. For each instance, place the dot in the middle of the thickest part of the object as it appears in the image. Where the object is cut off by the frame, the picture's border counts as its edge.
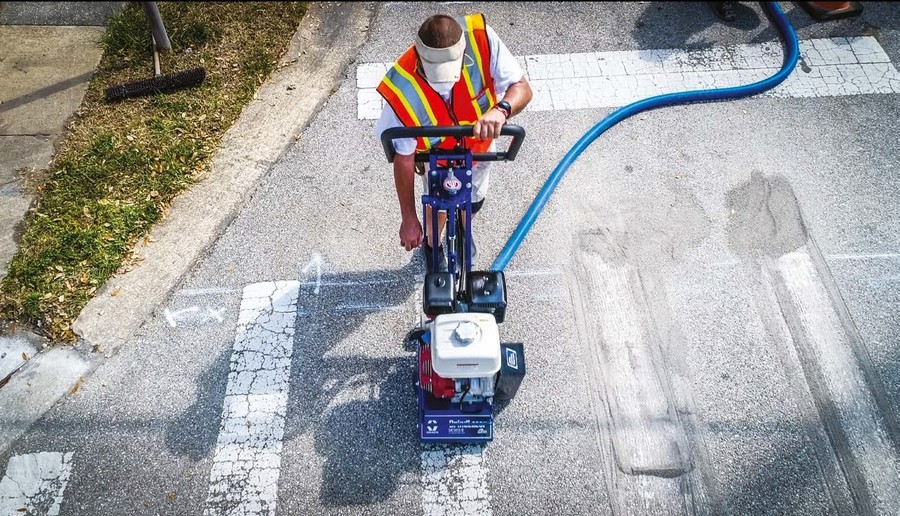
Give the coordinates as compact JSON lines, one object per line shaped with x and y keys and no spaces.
{"x":709,"y":305}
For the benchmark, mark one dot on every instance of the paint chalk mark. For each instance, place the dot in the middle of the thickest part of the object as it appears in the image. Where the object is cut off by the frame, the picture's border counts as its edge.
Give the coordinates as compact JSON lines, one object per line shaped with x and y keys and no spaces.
{"x":315,"y":263}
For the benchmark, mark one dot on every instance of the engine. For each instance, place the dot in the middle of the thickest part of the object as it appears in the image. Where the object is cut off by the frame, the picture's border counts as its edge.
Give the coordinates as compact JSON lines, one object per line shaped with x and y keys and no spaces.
{"x":462,"y":359}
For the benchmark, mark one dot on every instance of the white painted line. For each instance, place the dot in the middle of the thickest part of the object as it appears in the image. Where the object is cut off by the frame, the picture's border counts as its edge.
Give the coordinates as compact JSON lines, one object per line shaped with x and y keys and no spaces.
{"x":828,"y":67}
{"x":206,"y":291}
{"x":35,"y":483}
{"x":823,"y":342}
{"x":14,"y":352}
{"x":350,"y":283}
{"x":368,"y":307}
{"x":247,"y":462}
{"x":454,"y":480}
{"x":878,"y":256}
{"x":534,"y":273}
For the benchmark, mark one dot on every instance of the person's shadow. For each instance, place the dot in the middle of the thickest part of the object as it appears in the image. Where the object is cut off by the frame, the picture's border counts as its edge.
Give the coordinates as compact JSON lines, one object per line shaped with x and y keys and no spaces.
{"x":670,"y":25}
{"x":357,"y":404}
{"x":674,"y":25}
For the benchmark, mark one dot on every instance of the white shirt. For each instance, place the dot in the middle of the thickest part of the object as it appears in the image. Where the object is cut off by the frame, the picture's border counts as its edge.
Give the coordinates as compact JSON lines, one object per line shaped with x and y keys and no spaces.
{"x":504,"y":69}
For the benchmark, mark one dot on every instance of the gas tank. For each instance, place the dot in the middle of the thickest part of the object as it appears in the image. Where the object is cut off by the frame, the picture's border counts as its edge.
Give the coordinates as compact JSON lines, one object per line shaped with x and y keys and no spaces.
{"x":465,"y":345}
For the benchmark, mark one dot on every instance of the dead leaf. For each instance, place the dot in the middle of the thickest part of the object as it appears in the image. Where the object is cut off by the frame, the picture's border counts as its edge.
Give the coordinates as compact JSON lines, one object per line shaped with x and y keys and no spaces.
{"x":115,"y":292}
{"x":25,"y":357}
{"x":22,"y":509}
{"x":77,"y":386}
{"x":171,"y":496}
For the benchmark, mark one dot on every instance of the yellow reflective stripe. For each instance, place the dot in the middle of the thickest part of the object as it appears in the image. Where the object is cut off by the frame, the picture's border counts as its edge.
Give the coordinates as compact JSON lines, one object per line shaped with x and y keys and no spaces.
{"x":422,"y":97}
{"x":409,"y":109}
{"x":471,"y":21}
{"x":472,"y":92}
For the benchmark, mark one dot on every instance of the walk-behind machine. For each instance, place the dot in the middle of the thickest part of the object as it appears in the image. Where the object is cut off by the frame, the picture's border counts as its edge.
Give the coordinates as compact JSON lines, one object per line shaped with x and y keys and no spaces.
{"x":463,"y":367}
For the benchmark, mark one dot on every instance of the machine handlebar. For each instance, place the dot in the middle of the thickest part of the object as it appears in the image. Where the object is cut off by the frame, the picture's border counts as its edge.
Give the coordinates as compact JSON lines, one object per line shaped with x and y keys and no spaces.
{"x":456,"y":131}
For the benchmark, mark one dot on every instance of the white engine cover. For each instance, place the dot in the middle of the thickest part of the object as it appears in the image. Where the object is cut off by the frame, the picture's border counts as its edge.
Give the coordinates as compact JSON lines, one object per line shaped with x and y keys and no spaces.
{"x":465,"y":345}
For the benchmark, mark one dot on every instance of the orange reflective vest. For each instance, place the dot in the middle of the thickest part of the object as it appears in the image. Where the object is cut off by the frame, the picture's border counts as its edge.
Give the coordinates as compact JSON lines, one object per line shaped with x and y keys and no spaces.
{"x":417,"y":104}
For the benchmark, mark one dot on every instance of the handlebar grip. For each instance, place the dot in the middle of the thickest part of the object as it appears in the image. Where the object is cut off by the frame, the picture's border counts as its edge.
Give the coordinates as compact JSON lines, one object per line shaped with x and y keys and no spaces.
{"x":455,"y":131}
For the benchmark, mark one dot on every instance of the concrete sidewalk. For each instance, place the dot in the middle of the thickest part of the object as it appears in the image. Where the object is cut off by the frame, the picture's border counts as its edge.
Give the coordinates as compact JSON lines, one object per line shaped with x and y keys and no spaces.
{"x":48,"y":53}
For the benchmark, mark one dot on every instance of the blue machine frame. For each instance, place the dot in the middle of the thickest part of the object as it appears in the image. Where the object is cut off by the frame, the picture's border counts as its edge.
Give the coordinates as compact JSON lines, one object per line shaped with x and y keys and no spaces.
{"x":446,"y":196}
{"x":442,"y":420}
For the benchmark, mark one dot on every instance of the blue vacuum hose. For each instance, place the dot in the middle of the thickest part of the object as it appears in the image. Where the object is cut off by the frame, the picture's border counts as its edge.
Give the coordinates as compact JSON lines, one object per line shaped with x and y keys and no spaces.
{"x":792,"y":53}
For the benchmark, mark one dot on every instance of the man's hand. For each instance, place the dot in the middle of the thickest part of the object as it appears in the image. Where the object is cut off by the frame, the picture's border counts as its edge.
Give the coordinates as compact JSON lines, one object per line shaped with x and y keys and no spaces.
{"x":410,"y":233}
{"x":489,"y":125}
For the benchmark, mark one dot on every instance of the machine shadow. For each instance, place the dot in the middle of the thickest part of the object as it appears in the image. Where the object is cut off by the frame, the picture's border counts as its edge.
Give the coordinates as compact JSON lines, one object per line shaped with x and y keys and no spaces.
{"x":353,"y":383}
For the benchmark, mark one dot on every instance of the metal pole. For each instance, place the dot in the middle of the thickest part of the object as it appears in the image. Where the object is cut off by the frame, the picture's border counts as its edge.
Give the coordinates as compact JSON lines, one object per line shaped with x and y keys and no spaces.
{"x":160,"y":37}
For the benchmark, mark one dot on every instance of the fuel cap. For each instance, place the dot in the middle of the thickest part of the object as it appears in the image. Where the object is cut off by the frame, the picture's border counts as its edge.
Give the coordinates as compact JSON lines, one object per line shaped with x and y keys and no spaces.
{"x":467,"y":332}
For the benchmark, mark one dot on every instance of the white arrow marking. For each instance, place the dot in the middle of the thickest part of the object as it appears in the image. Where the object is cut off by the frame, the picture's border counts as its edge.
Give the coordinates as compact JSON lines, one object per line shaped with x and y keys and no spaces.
{"x":315,"y":262}
{"x":216,"y":314}
{"x":172,"y":317}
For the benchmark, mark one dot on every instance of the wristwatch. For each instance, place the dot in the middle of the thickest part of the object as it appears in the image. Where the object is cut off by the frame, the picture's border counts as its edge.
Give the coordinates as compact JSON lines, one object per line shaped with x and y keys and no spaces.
{"x":504,"y":108}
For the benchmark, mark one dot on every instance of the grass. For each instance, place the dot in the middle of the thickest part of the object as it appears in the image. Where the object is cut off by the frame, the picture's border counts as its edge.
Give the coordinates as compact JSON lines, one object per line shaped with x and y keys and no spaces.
{"x":121,"y":165}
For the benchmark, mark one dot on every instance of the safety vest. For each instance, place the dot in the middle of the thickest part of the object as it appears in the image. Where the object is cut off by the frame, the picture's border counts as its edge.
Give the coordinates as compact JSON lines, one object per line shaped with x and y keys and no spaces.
{"x":417,"y":104}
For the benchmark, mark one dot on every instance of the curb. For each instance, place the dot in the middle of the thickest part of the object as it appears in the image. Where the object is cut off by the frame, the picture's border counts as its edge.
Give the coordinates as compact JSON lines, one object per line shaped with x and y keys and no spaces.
{"x":35,"y":387}
{"x":319,"y":54}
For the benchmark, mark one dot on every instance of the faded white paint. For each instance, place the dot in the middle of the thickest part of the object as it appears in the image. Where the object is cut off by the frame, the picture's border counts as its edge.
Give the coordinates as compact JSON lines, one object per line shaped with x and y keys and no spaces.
{"x":646,"y":435}
{"x":828,"y":67}
{"x":35,"y":483}
{"x":368,"y":307}
{"x":872,"y":256}
{"x":247,"y":461}
{"x":315,"y":264}
{"x":824,"y":341}
{"x":194,"y":312}
{"x":454,"y":480}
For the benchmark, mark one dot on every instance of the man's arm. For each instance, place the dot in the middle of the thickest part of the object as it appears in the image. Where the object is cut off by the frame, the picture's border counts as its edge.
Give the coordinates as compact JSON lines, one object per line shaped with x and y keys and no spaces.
{"x":509,"y":78}
{"x":404,"y":180}
{"x":518,"y":95}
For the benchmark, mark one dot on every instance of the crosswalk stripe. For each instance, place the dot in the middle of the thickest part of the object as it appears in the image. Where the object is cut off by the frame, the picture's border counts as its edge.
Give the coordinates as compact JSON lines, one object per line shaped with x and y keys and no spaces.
{"x":828,"y":67}
{"x":247,"y":461}
{"x":454,"y":480}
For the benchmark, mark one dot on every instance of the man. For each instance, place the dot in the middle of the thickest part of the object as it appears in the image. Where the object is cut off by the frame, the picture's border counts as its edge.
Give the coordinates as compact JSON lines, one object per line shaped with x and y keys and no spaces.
{"x":452,"y":75}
